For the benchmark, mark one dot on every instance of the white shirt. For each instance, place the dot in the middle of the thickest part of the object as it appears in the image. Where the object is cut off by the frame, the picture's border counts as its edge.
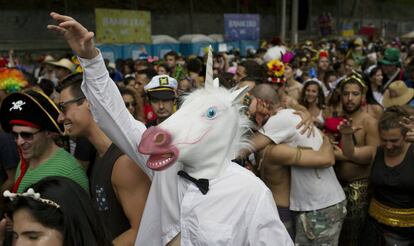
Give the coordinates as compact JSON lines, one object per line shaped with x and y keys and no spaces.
{"x":378,"y":96}
{"x":238,"y":209}
{"x":311,"y":188}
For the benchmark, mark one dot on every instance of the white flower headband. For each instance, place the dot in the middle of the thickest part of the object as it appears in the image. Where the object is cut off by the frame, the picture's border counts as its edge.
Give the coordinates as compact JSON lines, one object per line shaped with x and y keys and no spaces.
{"x":29,"y":193}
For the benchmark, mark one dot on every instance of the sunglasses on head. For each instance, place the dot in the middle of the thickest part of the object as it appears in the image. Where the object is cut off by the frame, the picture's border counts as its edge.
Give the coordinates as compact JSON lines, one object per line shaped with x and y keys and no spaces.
{"x":62,"y":106}
{"x":24,"y":135}
{"x":128,"y":104}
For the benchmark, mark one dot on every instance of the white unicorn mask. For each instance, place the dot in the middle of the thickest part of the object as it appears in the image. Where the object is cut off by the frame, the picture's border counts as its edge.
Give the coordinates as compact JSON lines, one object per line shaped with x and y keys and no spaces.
{"x":204,"y":134}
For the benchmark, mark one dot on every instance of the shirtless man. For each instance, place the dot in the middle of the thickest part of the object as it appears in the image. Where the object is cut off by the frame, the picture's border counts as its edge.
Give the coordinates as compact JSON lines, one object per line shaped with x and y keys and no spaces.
{"x":353,"y":174}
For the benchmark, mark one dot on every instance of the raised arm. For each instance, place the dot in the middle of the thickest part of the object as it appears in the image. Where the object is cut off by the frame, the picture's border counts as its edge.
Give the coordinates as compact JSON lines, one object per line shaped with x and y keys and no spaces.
{"x":282,"y":154}
{"x":360,"y":155}
{"x":106,"y":102}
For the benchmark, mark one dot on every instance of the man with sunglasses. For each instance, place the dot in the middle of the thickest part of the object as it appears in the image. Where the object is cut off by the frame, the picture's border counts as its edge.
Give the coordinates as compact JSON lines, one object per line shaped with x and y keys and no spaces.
{"x":117,"y":184}
{"x":31,"y":118}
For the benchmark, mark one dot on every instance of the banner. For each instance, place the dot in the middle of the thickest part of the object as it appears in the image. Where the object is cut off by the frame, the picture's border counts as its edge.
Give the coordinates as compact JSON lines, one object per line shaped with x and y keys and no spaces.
{"x":122,"y":26}
{"x":241,"y":27}
{"x":347,"y":30}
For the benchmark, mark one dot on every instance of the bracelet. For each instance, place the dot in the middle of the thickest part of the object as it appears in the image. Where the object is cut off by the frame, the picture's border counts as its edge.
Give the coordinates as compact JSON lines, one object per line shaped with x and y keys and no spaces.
{"x":298,"y":155}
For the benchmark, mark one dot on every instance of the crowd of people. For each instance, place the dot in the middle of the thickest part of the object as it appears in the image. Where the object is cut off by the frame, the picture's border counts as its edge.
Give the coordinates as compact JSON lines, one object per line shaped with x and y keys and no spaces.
{"x":331,"y":127}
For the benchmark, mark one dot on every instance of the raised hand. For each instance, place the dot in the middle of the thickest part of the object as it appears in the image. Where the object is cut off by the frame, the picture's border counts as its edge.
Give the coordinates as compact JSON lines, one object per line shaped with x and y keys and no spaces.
{"x":76,"y":35}
{"x":346,"y":128}
{"x":409,"y":124}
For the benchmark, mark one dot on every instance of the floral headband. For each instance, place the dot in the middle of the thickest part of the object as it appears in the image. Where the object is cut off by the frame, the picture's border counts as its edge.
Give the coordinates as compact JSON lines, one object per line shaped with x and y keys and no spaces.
{"x":276,"y":70}
{"x":30,"y":193}
{"x":276,"y":67}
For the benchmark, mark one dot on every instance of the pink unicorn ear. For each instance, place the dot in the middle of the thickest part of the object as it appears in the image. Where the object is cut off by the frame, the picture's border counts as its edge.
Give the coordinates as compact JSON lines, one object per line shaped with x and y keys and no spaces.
{"x":288,"y":57}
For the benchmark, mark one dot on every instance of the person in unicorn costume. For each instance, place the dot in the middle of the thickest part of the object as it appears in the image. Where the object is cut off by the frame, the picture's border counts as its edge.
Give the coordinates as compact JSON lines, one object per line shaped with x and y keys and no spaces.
{"x":198,"y":195}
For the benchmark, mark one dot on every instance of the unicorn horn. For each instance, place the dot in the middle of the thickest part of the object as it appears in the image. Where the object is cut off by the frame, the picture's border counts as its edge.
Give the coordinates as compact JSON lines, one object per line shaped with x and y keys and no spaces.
{"x":209,"y":69}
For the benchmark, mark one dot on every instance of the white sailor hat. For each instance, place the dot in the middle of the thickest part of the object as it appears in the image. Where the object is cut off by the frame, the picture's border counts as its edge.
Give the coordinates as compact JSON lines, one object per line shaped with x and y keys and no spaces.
{"x":161,"y":87}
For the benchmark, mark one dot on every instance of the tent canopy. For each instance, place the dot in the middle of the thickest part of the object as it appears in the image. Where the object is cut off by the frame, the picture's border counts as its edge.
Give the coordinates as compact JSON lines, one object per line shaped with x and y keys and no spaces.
{"x":408,"y":35}
{"x":195,"y":38}
{"x":163,"y":39}
{"x":217,"y":37}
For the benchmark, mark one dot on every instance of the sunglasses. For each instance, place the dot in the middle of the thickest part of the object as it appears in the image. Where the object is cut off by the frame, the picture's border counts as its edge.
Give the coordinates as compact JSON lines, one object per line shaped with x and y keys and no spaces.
{"x":128,"y":104}
{"x":62,"y":106}
{"x":27,"y":136}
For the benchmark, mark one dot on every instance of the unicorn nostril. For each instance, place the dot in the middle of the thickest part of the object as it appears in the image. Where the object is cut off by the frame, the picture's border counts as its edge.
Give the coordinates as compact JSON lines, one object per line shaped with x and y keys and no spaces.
{"x":159,"y":138}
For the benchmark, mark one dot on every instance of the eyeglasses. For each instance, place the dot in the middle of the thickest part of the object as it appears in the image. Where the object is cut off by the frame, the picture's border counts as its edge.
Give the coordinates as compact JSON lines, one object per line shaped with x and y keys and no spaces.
{"x":27,"y":136}
{"x":62,"y":106}
{"x":129,"y":104}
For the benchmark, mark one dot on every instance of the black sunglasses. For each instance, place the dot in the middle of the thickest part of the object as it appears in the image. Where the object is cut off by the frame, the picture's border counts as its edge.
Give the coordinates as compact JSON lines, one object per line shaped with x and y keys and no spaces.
{"x":24,"y":135}
{"x":62,"y":106}
{"x":128,"y":104}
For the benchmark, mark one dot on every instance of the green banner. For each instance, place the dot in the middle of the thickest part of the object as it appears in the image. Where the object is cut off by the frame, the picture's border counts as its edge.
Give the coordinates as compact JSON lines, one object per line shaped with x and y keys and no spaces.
{"x":122,"y":26}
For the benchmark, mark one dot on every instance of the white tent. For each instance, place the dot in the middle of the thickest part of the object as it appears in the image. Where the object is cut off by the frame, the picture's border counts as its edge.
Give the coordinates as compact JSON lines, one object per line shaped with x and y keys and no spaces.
{"x":195,"y":38}
{"x":408,"y":35}
{"x":217,"y":37}
{"x":163,"y":39}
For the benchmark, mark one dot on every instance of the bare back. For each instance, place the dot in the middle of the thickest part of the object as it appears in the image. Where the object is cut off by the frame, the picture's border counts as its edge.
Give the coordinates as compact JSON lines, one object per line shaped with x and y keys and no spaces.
{"x":276,"y":178}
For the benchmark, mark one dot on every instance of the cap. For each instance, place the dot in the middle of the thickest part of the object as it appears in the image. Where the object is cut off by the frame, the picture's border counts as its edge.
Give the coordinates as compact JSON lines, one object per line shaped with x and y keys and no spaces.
{"x":161,"y":87}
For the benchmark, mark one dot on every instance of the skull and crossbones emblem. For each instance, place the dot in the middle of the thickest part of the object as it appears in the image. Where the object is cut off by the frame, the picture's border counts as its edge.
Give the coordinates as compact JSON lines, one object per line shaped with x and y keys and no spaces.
{"x":17,"y":105}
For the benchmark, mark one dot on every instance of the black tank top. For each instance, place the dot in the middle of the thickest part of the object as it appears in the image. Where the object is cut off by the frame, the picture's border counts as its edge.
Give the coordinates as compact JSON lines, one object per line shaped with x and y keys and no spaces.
{"x":103,"y":193}
{"x":394,"y":186}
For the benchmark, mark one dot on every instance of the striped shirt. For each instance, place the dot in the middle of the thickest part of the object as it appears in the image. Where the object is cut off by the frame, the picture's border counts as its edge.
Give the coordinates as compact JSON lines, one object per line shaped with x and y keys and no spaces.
{"x":61,"y":163}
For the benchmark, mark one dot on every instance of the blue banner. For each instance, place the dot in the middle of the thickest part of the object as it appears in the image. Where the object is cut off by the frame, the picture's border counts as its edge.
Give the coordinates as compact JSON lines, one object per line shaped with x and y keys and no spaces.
{"x":241,"y":27}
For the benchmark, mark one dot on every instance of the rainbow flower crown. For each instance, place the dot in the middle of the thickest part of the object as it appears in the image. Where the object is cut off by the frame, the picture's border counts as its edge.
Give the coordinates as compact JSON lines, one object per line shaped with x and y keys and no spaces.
{"x":12,"y":80}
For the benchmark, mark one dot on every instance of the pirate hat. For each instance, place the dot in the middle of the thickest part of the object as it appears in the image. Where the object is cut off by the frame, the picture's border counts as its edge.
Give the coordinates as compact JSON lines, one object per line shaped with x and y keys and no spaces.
{"x":30,"y":108}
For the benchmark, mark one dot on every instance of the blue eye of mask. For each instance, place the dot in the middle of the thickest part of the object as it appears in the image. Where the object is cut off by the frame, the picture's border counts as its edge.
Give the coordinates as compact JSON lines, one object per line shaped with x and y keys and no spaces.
{"x":211,"y":113}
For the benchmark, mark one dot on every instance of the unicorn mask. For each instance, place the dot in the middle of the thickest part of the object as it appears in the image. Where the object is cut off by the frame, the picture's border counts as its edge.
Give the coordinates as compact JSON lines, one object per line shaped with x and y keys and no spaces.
{"x":203,"y":135}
